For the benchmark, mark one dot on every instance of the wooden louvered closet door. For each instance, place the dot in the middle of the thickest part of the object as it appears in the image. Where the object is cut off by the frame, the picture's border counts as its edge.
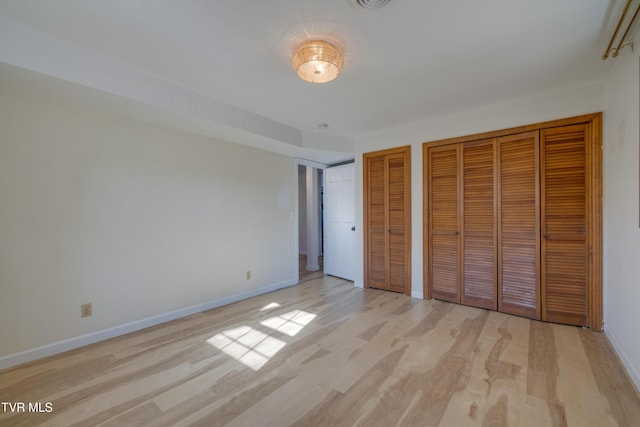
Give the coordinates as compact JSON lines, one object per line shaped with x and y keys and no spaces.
{"x":387,"y":212}
{"x":398,"y":208}
{"x":444,"y":251}
{"x":564,"y":224}
{"x":518,"y":224}
{"x":479,"y":243}
{"x":376,"y":224}
{"x":462,"y":252}
{"x":513,"y":220}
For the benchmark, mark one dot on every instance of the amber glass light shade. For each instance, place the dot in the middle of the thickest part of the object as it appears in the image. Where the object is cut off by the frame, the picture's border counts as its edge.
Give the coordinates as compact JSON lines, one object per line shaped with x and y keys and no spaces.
{"x":317,"y":61}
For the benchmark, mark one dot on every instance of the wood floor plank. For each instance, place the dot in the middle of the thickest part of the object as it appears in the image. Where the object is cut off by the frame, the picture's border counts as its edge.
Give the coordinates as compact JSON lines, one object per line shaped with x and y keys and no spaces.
{"x":475,"y":396}
{"x":543,"y":371}
{"x":135,"y":417}
{"x":576,"y":384}
{"x":619,"y":396}
{"x":326,"y":353}
{"x":293,"y":400}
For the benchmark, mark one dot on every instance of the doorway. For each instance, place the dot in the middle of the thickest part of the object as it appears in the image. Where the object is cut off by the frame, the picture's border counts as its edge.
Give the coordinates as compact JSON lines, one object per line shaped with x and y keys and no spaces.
{"x":310,"y":222}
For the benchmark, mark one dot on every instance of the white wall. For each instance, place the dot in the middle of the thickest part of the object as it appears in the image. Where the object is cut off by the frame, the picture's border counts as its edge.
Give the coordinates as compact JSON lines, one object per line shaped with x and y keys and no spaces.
{"x":546,"y":106}
{"x":138,"y":219}
{"x":621,"y":232}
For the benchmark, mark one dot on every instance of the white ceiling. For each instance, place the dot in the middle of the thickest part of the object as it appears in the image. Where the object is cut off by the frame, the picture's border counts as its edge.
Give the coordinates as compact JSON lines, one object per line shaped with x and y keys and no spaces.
{"x":405,"y":62}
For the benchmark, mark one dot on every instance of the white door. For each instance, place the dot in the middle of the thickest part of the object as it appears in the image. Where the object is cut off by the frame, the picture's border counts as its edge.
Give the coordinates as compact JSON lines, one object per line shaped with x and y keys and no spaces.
{"x":339,"y":217}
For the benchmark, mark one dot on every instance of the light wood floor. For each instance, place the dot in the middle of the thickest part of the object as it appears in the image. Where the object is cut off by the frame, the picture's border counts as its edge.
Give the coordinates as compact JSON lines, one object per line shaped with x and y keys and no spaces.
{"x":327,"y":354}
{"x":304,"y":274}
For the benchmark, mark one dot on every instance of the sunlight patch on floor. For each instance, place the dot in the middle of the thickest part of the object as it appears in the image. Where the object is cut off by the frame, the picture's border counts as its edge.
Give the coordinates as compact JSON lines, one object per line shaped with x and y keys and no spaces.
{"x":254,"y":348}
{"x":289,"y":323}
{"x":270,"y":306}
{"x":247,"y":345}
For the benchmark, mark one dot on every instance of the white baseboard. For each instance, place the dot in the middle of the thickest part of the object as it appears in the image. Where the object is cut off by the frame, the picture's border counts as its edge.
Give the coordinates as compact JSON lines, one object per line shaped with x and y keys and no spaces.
{"x":631,"y":370}
{"x":358,"y":284}
{"x":69,"y":344}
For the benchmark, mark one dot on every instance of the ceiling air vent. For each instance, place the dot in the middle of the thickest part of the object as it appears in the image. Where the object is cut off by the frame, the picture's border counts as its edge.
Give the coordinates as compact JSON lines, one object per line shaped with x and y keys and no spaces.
{"x":371,"y":4}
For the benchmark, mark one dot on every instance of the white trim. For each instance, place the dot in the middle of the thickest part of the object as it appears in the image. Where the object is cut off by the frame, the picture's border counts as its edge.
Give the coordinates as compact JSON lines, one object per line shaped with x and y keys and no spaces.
{"x":417,"y":294}
{"x":311,"y":163}
{"x":296,"y":223}
{"x":626,"y":362}
{"x":94,"y":337}
{"x":358,"y":284}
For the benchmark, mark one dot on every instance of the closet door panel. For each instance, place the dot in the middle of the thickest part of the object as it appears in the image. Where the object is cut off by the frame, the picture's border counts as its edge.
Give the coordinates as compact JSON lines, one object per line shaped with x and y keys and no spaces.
{"x":479,"y":284}
{"x":444,"y":268}
{"x":443,"y":224}
{"x":564,"y":246}
{"x":397,"y":206}
{"x":565,"y":299}
{"x":377,"y":223}
{"x":518,"y":225}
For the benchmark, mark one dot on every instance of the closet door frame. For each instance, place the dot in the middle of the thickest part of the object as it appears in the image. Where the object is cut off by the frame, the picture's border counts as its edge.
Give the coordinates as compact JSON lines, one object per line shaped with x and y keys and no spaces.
{"x":594,"y":208}
{"x":406,"y":152}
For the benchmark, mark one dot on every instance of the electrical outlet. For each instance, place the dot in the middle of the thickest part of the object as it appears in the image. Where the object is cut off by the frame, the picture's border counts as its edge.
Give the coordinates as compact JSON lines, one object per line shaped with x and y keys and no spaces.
{"x":248,"y":274}
{"x":86,"y":310}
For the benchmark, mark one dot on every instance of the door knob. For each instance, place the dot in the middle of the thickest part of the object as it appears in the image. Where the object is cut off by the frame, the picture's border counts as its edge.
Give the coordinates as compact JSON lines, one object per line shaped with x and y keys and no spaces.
{"x":353,"y":228}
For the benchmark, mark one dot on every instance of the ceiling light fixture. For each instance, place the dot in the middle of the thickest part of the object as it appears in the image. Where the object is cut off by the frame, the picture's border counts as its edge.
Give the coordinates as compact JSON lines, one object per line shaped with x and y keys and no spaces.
{"x":317,"y":61}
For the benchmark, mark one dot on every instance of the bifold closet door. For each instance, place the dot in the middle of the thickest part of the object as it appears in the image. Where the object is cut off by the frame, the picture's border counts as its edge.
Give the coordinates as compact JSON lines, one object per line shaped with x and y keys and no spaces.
{"x":462,"y":252}
{"x":518,"y":193}
{"x":443,"y":267}
{"x":564,"y":224}
{"x":376,"y":222}
{"x":398,"y":232}
{"x":479,"y":243}
{"x":387,"y":177}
